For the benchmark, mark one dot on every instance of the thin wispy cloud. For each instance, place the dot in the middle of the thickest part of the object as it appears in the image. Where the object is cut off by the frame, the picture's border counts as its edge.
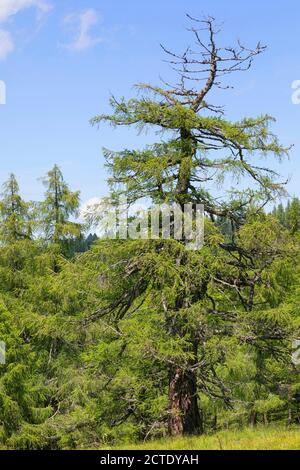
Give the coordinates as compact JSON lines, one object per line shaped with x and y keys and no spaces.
{"x":6,"y":44}
{"x":10,"y":8}
{"x":81,"y":25}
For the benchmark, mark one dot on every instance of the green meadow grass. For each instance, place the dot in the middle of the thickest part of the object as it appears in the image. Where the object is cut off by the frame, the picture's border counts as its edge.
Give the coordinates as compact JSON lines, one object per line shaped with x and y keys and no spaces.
{"x":248,"y":439}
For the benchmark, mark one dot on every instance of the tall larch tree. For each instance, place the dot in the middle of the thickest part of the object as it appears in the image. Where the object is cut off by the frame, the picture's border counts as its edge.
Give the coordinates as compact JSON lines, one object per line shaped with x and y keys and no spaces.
{"x":200,"y":147}
{"x":58,"y":208}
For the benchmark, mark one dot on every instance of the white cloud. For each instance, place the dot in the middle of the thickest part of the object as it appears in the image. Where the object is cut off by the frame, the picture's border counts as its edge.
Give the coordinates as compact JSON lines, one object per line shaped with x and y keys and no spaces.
{"x":81,"y":24}
{"x":9,"y":8}
{"x":6,"y":44}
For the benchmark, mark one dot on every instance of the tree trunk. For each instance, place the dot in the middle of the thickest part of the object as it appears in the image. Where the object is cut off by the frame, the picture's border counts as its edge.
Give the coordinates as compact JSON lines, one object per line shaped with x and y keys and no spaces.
{"x":290,"y":417}
{"x":184,"y":416}
{"x":253,"y":419}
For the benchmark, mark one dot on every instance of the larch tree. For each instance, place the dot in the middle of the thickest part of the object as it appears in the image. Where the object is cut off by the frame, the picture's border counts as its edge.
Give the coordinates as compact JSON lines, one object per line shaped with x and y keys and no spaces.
{"x":15,"y":220}
{"x":200,"y":147}
{"x":293,"y":215}
{"x":58,"y":208}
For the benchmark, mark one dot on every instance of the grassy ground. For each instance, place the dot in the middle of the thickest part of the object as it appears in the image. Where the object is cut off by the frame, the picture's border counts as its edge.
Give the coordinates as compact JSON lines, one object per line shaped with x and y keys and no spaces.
{"x":249,"y":439}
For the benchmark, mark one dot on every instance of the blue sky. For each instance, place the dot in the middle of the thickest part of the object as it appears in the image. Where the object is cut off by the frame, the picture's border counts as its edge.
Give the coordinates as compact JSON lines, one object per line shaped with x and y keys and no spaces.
{"x":61,"y":59}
